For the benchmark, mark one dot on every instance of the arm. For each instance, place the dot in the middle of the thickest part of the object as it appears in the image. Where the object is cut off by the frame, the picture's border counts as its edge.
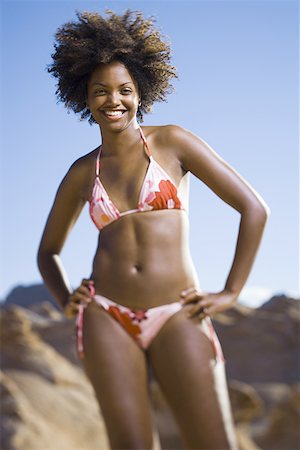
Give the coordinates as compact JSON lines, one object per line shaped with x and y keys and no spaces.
{"x":68,"y":204}
{"x":196,"y":156}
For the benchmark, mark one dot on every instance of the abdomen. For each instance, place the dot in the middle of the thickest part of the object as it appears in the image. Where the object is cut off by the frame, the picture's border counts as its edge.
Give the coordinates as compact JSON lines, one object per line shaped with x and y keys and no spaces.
{"x":143,"y":259}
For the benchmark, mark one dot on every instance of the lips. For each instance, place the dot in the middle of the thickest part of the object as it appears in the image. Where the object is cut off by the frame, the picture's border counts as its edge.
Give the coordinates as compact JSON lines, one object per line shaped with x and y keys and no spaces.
{"x":114,"y":114}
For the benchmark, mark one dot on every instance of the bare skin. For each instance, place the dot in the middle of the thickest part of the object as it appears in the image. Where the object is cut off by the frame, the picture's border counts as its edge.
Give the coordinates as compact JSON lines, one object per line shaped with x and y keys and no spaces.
{"x":142,"y":260}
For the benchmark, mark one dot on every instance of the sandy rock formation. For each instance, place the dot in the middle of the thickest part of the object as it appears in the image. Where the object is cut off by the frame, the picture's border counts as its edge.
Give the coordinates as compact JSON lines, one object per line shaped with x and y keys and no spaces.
{"x":262,"y":345}
{"x":279,"y":427}
{"x":48,"y":403}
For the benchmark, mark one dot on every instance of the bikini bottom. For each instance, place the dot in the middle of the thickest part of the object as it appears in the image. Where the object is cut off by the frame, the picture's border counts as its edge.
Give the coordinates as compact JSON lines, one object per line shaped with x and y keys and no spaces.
{"x":143,"y":324}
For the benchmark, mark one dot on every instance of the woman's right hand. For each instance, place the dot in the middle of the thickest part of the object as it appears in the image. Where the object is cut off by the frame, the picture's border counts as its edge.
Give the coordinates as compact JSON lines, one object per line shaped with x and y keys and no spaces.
{"x":82,"y":295}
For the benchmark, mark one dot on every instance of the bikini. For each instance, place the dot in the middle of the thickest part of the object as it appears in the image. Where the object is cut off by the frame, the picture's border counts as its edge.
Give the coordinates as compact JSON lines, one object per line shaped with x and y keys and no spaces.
{"x":158,"y":192}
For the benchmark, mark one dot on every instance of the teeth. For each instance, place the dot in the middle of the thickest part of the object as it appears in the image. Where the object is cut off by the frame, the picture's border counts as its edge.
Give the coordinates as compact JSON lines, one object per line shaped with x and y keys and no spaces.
{"x":113,"y":113}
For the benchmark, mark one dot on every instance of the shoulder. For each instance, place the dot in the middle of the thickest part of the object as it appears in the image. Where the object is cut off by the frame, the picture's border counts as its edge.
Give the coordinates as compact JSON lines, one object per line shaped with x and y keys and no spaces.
{"x":171,"y":135}
{"x":162,"y":133}
{"x":166,"y":146}
{"x":174,"y":140}
{"x":84,"y":163}
{"x":192,"y":152}
{"x":80,"y":173}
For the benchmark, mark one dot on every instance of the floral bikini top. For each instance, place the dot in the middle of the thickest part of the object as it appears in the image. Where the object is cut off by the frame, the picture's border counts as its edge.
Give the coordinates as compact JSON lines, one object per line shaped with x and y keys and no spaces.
{"x":158,"y":192}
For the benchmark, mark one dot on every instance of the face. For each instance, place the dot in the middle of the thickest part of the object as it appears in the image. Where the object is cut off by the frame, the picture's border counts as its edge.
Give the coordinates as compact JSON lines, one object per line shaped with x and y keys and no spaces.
{"x":113,"y":96}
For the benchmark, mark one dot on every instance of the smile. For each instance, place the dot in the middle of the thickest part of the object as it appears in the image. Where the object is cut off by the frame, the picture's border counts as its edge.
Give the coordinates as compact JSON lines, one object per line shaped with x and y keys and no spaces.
{"x":114,"y":114}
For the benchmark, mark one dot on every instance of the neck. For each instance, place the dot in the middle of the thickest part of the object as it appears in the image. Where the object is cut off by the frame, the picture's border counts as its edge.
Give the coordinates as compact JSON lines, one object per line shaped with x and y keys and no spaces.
{"x":115,"y":143}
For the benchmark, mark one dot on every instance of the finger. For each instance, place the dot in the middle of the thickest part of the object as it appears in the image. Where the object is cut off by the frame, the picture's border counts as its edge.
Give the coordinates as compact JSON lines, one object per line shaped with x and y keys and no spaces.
{"x":194,"y":296}
{"x":205,"y":312}
{"x":210,"y":311}
{"x":195,"y":311}
{"x":78,"y":297}
{"x":69,"y":311}
{"x":200,"y":311}
{"x":202,"y":315}
{"x":87,"y":281}
{"x":90,"y":285}
{"x":73,"y":299}
{"x":85,"y":290}
{"x":72,"y":309}
{"x":187,"y":291}
{"x":204,"y":303}
{"x":91,"y":290}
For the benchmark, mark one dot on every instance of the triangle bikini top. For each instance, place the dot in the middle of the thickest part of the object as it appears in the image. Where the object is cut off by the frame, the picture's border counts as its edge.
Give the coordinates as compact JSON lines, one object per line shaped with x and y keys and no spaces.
{"x":158,"y":192}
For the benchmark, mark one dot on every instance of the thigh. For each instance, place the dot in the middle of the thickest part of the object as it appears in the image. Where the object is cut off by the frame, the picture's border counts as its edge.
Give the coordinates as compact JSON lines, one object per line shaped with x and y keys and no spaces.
{"x":183,"y":361}
{"x":117,"y":369}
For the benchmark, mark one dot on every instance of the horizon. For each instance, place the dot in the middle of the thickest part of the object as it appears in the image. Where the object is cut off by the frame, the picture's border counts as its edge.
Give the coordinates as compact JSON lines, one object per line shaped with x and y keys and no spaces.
{"x":253,"y":298}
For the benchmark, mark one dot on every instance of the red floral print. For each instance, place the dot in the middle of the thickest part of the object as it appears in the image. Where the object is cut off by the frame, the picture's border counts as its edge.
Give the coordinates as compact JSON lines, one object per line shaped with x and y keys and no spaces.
{"x":167,"y":191}
{"x":139,"y":315}
{"x":125,"y":320}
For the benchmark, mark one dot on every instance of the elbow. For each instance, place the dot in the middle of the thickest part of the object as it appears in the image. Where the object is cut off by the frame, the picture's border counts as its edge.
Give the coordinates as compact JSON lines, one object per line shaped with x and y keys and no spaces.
{"x":268,"y":212}
{"x":264,"y":211}
{"x":260,"y":211}
{"x":258,"y":207}
{"x":39,"y":256}
{"x":42,"y":259}
{"x":265,"y":214}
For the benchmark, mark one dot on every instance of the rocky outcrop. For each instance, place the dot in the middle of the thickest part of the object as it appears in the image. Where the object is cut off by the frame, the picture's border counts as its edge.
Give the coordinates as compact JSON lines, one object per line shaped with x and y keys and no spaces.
{"x":262,"y":345}
{"x":39,"y":414}
{"x":47,"y":401}
{"x":278,"y":427}
{"x":30,"y":295}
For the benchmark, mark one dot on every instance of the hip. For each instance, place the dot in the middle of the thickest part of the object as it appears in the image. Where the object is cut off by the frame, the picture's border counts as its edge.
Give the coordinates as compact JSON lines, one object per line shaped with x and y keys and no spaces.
{"x":144,"y":286}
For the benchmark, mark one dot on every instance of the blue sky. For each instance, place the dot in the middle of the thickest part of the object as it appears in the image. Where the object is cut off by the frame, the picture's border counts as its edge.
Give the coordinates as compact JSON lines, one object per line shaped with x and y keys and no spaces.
{"x":237,"y":89}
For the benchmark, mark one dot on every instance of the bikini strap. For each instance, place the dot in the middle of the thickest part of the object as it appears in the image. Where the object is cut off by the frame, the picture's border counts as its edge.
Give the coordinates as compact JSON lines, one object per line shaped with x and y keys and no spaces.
{"x":145,"y":142}
{"x":98,"y":162}
{"x":99,"y":153}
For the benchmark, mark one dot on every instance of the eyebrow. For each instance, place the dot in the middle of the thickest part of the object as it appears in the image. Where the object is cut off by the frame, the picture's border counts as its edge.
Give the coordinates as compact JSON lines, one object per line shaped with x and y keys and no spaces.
{"x":103,"y":84}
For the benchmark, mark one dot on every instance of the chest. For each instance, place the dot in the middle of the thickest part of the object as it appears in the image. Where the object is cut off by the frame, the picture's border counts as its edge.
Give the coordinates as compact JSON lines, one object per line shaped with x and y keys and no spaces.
{"x":123,"y":180}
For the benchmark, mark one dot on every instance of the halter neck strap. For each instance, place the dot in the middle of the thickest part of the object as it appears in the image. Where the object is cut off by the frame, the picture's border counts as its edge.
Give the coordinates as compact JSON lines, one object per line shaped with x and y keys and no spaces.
{"x":145,"y":142}
{"x":100,"y":148}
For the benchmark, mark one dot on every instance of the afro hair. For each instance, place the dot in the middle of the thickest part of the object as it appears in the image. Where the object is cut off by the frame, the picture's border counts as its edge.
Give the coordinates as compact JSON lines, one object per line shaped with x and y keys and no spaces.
{"x":92,"y":40}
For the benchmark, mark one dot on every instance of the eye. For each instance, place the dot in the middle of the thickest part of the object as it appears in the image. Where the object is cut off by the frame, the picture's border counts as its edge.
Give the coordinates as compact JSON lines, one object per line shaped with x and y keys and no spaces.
{"x":99,"y":91}
{"x":126,"y":91}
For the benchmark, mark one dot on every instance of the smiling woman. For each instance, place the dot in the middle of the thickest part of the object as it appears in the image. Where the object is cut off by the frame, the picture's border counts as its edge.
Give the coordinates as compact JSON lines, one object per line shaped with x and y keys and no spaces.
{"x":94,"y":40}
{"x":141,"y":308}
{"x":113,"y":98}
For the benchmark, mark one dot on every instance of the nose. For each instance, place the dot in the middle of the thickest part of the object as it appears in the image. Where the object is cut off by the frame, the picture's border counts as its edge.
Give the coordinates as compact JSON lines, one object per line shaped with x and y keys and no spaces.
{"x":113,"y":99}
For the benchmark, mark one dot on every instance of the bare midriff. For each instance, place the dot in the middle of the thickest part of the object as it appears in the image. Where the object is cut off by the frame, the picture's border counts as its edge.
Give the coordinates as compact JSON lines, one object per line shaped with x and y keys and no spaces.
{"x":143,"y":259}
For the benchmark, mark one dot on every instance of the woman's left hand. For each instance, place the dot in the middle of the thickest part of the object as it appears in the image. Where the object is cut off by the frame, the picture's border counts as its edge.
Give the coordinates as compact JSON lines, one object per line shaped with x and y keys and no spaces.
{"x":208,"y":303}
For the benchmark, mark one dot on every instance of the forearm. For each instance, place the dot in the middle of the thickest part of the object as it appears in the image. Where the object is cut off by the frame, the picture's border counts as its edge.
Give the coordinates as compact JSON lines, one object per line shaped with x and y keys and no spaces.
{"x":251,"y":229}
{"x":55,"y":277}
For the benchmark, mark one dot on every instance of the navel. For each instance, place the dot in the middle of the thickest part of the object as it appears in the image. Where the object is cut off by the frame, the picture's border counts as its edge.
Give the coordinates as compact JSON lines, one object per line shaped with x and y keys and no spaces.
{"x":137,"y":267}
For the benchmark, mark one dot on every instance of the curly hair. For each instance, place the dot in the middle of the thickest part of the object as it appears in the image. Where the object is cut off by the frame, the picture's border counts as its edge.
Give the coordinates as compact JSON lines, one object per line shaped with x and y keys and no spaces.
{"x":92,"y":40}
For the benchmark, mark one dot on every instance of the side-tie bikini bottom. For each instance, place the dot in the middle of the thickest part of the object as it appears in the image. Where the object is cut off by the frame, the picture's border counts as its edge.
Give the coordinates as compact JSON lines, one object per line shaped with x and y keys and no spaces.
{"x":143,"y":324}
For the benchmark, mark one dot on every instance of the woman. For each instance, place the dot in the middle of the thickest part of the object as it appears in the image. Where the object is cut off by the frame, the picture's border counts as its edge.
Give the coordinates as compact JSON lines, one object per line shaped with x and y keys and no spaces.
{"x":142,"y":305}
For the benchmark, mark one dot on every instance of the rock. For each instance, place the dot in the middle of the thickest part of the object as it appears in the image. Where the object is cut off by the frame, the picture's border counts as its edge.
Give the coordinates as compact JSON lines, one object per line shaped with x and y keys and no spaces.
{"x":30,"y":295}
{"x":45,"y":390}
{"x":23,"y":349}
{"x":279,"y":428}
{"x":246,"y":403}
{"x":39,"y":415}
{"x":261,"y":345}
